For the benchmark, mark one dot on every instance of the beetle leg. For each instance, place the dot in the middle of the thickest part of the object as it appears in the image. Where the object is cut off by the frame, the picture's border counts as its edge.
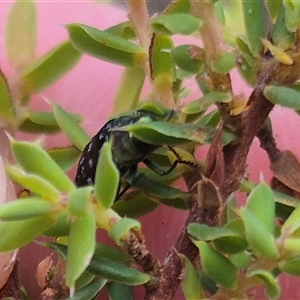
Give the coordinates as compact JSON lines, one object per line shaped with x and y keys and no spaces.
{"x":154,"y":167}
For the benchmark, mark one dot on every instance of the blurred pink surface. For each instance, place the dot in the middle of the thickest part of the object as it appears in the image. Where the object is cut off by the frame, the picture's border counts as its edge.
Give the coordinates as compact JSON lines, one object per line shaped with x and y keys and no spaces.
{"x":89,"y":90}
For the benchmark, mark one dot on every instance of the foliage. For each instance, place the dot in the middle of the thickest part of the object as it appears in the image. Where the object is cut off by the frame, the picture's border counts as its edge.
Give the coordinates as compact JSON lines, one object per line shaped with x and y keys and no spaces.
{"x":239,"y":248}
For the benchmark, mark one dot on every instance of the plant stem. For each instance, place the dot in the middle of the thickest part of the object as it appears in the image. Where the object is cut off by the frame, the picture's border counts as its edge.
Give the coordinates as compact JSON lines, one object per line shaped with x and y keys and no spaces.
{"x":138,"y":15}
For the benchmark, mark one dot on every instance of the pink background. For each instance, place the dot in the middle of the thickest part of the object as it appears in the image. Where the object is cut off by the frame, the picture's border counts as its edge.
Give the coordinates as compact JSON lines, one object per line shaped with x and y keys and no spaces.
{"x":89,"y":90}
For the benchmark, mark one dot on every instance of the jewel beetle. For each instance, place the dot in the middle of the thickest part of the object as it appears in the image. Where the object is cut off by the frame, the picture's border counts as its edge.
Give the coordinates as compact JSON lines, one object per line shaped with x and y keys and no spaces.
{"x":127,"y":151}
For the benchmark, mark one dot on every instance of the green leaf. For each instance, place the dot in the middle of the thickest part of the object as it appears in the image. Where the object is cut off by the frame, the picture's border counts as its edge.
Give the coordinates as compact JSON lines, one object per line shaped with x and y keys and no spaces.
{"x":291,"y":265}
{"x":35,"y":160}
{"x":212,"y":262}
{"x":114,"y":271}
{"x":161,"y":62}
{"x":135,"y":204}
{"x":61,"y":227}
{"x":272,"y":286}
{"x":202,"y":104}
{"x":117,"y":291}
{"x":79,"y":201}
{"x":129,"y":89}
{"x":191,"y":284}
{"x":123,"y":30}
{"x":84,"y":279}
{"x":261,"y":204}
{"x":233,"y":26}
{"x":224,"y":63}
{"x":70,"y":127}
{"x":281,"y":36}
{"x":105,"y":45}
{"x":49,"y":68}
{"x":122,"y":229}
{"x":260,"y":239}
{"x":182,"y":57}
{"x":107,"y":178}
{"x":156,"y":108}
{"x":245,"y":51}
{"x":292,"y":244}
{"x":254,"y":24}
{"x":7,"y":109}
{"x":26,"y":208}
{"x":273,"y":8}
{"x":90,"y":291}
{"x":225,"y":239}
{"x":211,"y":119}
{"x":112,"y":253}
{"x":59,"y":248}
{"x":34,"y":183}
{"x":202,"y":232}
{"x":157,"y":191}
{"x":285,"y":96}
{"x":240,"y":260}
{"x":20,"y":33}
{"x":39,"y":122}
{"x":65,"y":157}
{"x":81,"y":245}
{"x":292,"y":14}
{"x":180,"y":6}
{"x":246,"y":71}
{"x":292,"y":223}
{"x":230,"y":208}
{"x":15,"y":234}
{"x":162,"y":133}
{"x":106,"y":268}
{"x":168,"y":24}
{"x":232,"y":244}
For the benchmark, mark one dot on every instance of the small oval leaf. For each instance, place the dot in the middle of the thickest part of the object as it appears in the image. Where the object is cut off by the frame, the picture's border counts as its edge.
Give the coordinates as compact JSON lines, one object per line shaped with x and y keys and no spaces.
{"x":26,"y":208}
{"x":70,"y":127}
{"x":35,"y":160}
{"x":81,"y":246}
{"x":20,"y":35}
{"x":224,"y":63}
{"x":105,"y":45}
{"x":182,"y":57}
{"x":79,"y":200}
{"x":61,"y":227}
{"x":33,"y":183}
{"x":89,"y":291}
{"x":175,"y":23}
{"x":291,"y":265}
{"x":212,"y":262}
{"x":284,"y":96}
{"x":15,"y":234}
{"x":122,"y":229}
{"x":65,"y":157}
{"x":114,"y":271}
{"x":107,"y":178}
{"x":191,"y":284}
{"x":49,"y":68}
{"x":260,"y":239}
{"x":272,"y":285}
{"x":161,"y":133}
{"x":254,"y":24}
{"x":264,"y":213}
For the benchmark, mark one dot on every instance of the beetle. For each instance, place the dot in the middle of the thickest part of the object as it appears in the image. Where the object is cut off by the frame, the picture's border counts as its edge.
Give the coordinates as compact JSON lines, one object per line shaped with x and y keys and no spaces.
{"x":127,"y":151}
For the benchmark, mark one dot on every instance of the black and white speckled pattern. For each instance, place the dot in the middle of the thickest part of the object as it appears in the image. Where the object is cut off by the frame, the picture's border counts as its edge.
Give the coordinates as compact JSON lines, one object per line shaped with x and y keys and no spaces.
{"x":127,"y":151}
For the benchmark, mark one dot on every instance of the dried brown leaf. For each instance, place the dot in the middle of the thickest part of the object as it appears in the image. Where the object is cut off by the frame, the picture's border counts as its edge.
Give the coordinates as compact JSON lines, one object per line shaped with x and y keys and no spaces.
{"x":286,"y":168}
{"x":215,"y":160}
{"x":209,"y":201}
{"x":43,"y":270}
